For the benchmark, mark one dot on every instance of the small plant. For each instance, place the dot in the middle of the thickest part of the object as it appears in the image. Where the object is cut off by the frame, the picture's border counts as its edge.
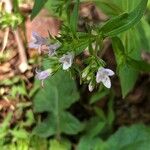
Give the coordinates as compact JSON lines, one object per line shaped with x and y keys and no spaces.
{"x":77,"y":55}
{"x":74,"y":96}
{"x":64,"y":51}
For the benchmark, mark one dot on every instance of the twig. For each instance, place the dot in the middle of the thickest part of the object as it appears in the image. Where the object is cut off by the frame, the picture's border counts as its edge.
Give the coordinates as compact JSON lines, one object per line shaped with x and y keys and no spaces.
{"x":23,"y":65}
{"x":5,"y":39}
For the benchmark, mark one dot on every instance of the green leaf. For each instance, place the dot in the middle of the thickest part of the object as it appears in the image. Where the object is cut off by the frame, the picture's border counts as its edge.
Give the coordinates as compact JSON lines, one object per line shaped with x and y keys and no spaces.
{"x":119,"y":50}
{"x":20,"y":133}
{"x":29,"y":119}
{"x":146,"y":28}
{"x":46,"y":128}
{"x":98,"y":96}
{"x":5,"y":125}
{"x":125,"y":21}
{"x":94,"y":126}
{"x":109,"y":7}
{"x":138,"y":65}
{"x":9,"y":82}
{"x":143,"y":29}
{"x":111,"y":113}
{"x":127,"y":74}
{"x":74,"y":17}
{"x":38,"y":5}
{"x":62,"y":123}
{"x":58,"y":94}
{"x":60,"y":145}
{"x":136,"y":137}
{"x":38,"y":143}
{"x":88,"y":143}
{"x":77,"y":45}
{"x":128,"y":77}
{"x":69,"y":124}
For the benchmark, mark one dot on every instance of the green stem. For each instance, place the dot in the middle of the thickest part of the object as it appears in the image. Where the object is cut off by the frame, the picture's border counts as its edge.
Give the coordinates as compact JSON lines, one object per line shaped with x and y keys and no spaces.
{"x":58,"y":137}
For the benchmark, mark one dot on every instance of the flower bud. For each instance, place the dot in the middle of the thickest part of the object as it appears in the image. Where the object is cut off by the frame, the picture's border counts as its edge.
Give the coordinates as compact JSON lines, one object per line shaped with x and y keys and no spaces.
{"x":91,"y":86}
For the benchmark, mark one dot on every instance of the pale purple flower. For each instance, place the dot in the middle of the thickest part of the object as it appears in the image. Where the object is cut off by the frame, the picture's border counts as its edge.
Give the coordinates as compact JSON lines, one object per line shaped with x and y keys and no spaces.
{"x":37,"y":41}
{"x":52,"y":49}
{"x":67,"y":60}
{"x":42,"y":75}
{"x":103,"y":76}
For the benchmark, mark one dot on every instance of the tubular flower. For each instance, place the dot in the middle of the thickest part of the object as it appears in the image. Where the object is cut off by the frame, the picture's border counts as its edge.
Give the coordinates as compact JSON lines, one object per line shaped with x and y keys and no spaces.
{"x":67,"y":60}
{"x":37,"y":41}
{"x":42,"y":75}
{"x":103,"y":76}
{"x":52,"y":49}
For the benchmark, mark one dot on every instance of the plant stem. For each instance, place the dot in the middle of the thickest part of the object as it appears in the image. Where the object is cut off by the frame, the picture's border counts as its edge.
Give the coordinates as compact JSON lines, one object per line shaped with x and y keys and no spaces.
{"x":58,"y":137}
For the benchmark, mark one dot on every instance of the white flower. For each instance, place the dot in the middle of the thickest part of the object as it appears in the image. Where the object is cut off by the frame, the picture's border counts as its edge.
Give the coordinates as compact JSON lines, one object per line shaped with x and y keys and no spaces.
{"x":52,"y":49}
{"x":67,"y":60}
{"x":103,"y":76}
{"x":42,"y":75}
{"x":91,"y":87}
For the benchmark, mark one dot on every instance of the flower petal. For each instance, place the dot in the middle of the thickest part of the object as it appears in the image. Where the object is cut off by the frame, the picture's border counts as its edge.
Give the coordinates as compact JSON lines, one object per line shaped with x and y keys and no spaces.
{"x":108,"y":72}
{"x":37,"y":39}
{"x":99,"y":77}
{"x":66,"y":66}
{"x":106,"y":81}
{"x":33,"y":45}
{"x":66,"y":60}
{"x":43,"y":74}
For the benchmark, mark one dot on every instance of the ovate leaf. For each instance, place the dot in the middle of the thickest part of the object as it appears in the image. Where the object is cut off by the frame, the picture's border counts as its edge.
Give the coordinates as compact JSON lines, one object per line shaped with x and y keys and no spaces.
{"x":59,"y":93}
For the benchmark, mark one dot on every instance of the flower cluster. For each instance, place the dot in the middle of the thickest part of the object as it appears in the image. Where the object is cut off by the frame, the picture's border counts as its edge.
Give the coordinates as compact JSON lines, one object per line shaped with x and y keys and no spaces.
{"x":102,"y":76}
{"x":65,"y":60}
{"x":93,"y":74}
